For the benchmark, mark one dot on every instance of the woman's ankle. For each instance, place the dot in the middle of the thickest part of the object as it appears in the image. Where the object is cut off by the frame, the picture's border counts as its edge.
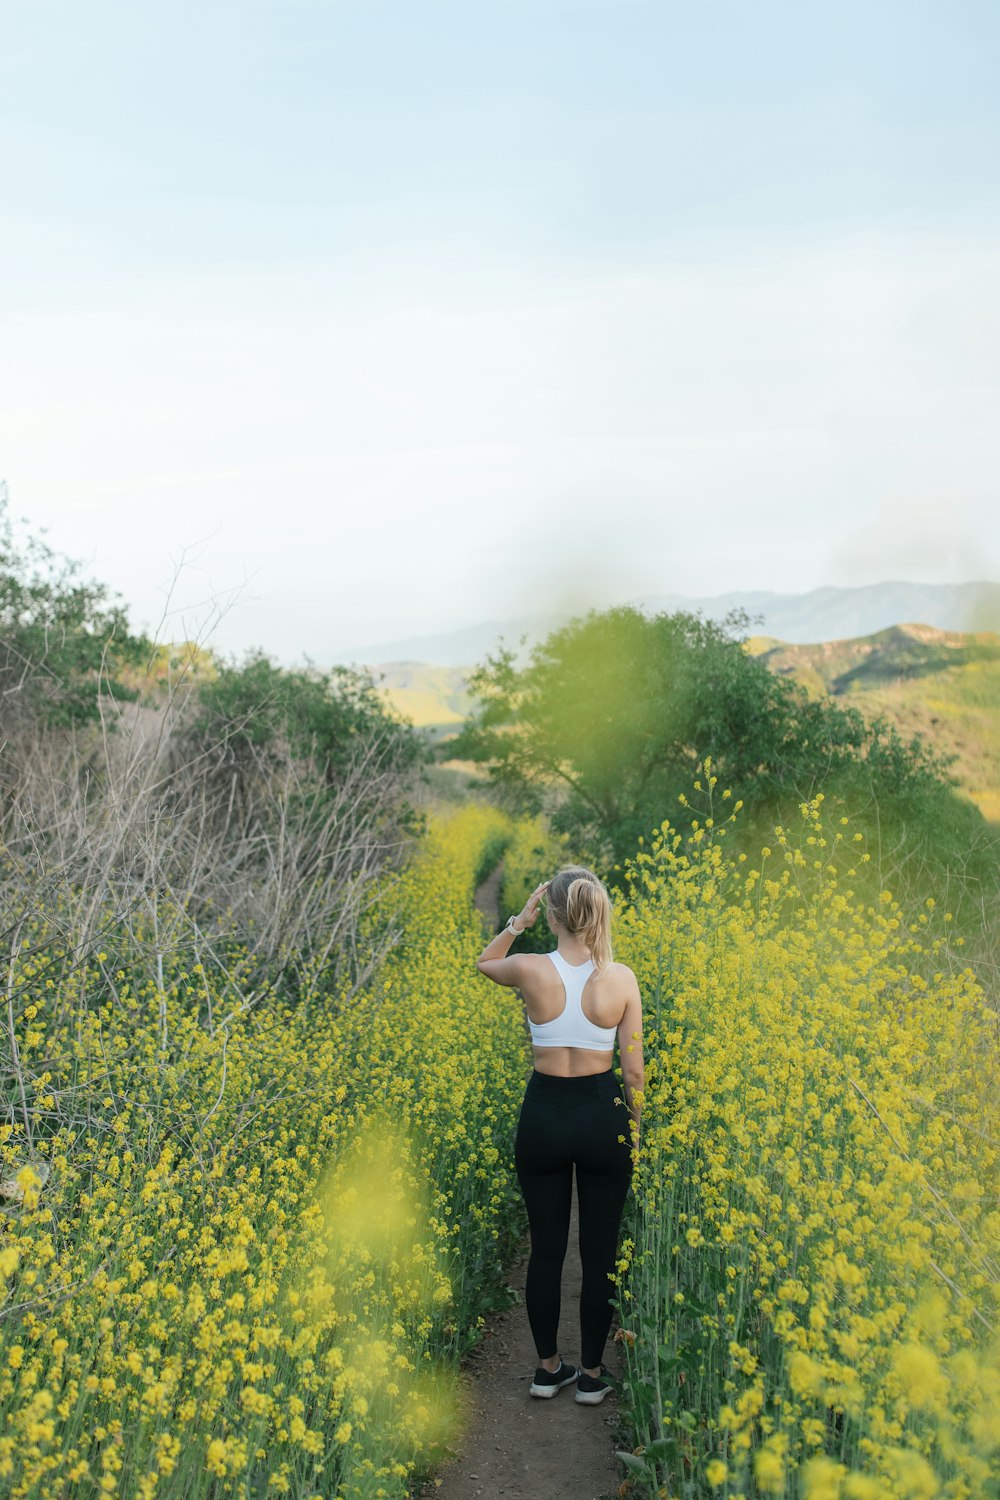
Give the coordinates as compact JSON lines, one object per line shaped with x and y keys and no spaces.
{"x":593,"y":1371}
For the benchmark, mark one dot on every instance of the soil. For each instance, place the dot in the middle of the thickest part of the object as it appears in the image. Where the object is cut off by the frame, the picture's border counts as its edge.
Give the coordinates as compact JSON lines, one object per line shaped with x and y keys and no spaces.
{"x":516,"y":1445}
{"x":519,"y":1446}
{"x":487,"y":898}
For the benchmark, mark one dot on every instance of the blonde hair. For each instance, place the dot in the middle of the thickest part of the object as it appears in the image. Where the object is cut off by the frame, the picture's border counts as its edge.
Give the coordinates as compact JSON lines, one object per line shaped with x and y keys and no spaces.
{"x":579,"y":901}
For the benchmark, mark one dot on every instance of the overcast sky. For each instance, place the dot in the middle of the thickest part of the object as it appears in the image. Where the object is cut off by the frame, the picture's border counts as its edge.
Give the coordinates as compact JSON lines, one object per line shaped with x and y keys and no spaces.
{"x":374,"y":319}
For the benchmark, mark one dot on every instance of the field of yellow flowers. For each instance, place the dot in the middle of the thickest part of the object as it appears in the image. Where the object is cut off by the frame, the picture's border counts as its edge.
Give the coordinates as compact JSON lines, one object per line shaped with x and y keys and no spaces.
{"x":249,"y":1264}
{"x":249,"y":1267}
{"x":808,"y":1285}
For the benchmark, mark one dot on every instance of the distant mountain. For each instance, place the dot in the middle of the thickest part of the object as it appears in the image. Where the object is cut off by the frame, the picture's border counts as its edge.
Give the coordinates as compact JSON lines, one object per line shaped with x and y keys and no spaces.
{"x":824,"y":614}
{"x":426,"y":695}
{"x":455,"y":648}
{"x":943,"y":685}
{"x":830,"y":614}
{"x":899,"y":654}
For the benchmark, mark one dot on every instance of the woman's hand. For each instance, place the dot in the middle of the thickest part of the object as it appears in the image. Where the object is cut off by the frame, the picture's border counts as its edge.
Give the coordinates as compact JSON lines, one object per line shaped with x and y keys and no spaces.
{"x":526,"y":918}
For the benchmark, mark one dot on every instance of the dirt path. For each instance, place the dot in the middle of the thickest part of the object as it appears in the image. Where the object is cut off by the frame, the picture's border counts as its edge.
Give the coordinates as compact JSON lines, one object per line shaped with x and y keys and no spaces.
{"x":517,"y":1446}
{"x":487,"y":897}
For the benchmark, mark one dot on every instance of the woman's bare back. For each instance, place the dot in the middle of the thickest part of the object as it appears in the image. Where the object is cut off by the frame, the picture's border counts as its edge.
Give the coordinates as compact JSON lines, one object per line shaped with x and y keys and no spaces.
{"x":604,"y":1001}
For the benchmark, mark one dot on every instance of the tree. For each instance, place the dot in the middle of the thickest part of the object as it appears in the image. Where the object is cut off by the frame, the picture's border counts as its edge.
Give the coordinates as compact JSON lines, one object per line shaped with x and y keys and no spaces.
{"x":64,"y":639}
{"x":257,"y":715}
{"x":604,"y":726}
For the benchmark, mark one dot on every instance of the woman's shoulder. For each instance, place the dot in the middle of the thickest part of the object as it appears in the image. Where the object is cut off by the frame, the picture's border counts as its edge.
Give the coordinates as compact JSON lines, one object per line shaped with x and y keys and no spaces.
{"x":624,"y":976}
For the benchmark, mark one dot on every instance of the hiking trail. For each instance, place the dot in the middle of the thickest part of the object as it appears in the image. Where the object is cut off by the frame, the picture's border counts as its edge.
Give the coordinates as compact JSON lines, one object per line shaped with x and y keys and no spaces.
{"x":518,"y":1446}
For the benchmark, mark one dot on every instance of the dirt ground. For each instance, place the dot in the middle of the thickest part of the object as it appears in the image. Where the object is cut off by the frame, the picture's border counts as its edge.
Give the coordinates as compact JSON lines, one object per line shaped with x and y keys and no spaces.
{"x":518,"y":1446}
{"x":487,"y":899}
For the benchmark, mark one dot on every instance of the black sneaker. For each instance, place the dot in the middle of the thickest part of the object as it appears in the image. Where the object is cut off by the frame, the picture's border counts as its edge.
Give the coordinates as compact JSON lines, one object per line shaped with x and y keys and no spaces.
{"x":590,"y":1389}
{"x":547,"y":1382}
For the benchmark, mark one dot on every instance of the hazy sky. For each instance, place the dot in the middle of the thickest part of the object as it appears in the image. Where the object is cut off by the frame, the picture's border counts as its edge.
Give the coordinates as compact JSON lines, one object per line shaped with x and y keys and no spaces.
{"x":380,"y":318}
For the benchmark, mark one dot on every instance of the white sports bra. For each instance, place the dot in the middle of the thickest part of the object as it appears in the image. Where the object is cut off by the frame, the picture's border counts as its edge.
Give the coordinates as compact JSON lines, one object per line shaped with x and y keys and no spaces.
{"x":571,"y":1028}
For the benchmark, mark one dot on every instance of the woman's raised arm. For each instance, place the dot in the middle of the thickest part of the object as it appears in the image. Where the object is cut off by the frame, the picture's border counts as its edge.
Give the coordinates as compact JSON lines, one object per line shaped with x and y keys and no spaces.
{"x":494,"y":962}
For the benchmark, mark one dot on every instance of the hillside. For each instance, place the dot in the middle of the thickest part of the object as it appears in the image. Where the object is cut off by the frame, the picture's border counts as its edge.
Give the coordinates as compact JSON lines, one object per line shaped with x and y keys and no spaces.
{"x":432,"y":697}
{"x":941,"y":684}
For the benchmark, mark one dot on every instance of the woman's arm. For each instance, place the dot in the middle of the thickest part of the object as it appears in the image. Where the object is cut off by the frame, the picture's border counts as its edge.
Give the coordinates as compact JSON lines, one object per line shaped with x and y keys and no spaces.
{"x":493,"y":961}
{"x":630,"y":1048}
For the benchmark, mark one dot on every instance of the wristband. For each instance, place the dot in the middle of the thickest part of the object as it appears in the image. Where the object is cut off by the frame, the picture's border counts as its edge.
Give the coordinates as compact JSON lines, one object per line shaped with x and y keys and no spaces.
{"x":509,"y":926}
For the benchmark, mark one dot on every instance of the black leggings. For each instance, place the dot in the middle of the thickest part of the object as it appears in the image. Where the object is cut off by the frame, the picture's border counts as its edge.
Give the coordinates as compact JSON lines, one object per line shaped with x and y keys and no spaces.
{"x":562,"y":1121}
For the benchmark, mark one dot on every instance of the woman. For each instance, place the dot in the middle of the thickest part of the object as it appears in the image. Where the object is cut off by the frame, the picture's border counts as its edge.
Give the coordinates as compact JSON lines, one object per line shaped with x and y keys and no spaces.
{"x":577,"y":1000}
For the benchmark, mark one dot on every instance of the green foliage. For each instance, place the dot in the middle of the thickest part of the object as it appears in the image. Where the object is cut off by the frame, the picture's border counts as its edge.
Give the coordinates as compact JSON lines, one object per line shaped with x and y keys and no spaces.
{"x":490,"y":855}
{"x":604,"y":725}
{"x":63,"y":639}
{"x":259,"y":704}
{"x":533,"y":854}
{"x":258,"y":716}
